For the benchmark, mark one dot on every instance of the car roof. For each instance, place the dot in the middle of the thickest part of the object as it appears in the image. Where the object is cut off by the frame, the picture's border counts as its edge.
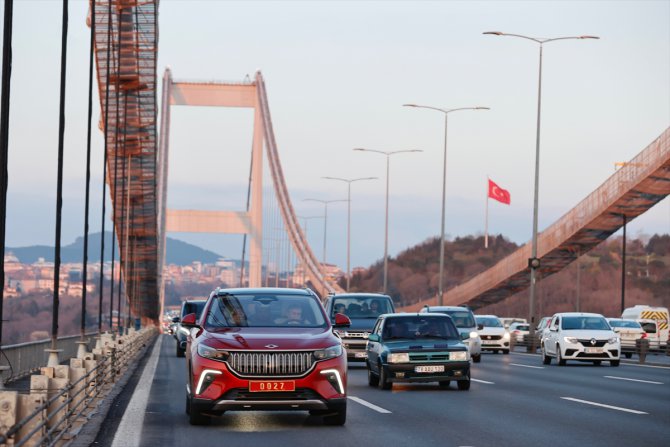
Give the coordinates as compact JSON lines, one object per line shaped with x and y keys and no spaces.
{"x":254,"y":290}
{"x":577,"y":314}
{"x":362,"y":294}
{"x":441,"y":308}
{"x":414,"y":314}
{"x":487,"y":316}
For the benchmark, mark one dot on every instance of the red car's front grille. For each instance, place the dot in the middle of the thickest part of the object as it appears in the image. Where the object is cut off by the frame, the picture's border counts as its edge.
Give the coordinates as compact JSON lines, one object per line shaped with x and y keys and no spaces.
{"x":270,"y":364}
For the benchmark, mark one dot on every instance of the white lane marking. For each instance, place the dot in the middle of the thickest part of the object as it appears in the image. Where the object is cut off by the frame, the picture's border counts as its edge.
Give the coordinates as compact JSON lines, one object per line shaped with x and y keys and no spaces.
{"x":369,"y":405}
{"x":527,"y":366}
{"x":483,"y":381}
{"x":634,"y":380}
{"x":646,"y":366}
{"x":129,"y":431}
{"x":627,"y":410}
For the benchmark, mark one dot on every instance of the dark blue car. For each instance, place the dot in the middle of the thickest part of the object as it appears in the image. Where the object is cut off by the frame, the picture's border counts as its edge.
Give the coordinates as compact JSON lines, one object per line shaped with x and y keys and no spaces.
{"x":421,"y":347}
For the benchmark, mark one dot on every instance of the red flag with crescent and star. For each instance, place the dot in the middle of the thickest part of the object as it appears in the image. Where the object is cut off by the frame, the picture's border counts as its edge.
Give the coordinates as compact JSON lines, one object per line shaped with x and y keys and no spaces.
{"x":499,"y":194}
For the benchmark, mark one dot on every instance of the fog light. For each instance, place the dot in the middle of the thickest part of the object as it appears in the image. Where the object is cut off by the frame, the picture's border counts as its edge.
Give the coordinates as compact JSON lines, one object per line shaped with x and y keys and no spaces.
{"x":458,"y":373}
{"x":333,"y":377}
{"x":206,"y":379}
{"x":400,"y":375}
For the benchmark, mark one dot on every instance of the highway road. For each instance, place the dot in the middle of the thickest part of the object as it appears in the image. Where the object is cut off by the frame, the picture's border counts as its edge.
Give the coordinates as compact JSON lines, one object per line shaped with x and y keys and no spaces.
{"x":514,"y":401}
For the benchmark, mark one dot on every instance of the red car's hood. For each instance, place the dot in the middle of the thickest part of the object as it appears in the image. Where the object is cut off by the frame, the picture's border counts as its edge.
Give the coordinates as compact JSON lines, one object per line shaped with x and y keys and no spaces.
{"x":279,"y":339}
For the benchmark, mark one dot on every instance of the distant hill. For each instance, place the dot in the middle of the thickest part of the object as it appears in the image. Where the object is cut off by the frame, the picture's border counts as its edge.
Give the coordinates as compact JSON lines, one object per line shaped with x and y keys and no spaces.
{"x":178,"y":252}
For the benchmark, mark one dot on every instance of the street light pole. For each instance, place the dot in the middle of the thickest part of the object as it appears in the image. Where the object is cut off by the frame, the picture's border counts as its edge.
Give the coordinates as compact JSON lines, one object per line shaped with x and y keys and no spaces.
{"x":386,"y":220}
{"x":534,"y":262}
{"x":446,"y":112}
{"x":325,"y":221}
{"x":349,"y":182}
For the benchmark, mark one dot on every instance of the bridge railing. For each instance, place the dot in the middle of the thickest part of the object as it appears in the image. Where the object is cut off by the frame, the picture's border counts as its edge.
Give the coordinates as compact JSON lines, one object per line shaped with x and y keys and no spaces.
{"x":62,"y":398}
{"x":26,"y":358}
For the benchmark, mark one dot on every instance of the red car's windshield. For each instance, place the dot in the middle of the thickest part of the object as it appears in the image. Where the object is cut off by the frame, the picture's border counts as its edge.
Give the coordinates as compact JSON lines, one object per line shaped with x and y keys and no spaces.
{"x":264,"y":310}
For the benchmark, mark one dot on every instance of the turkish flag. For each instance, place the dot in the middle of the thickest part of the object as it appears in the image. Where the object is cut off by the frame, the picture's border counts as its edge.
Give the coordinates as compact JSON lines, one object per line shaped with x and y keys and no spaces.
{"x":499,"y":194}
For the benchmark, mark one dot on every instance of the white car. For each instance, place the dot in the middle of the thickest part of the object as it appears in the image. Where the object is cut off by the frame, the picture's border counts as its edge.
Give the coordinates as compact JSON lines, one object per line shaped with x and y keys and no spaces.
{"x":518,"y":331}
{"x":464,"y":320}
{"x":629,"y":331}
{"x":492,"y":333}
{"x":580,"y":336}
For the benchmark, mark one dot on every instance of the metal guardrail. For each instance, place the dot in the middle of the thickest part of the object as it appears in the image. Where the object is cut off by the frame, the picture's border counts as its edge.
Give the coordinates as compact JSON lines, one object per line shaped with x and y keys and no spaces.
{"x":61,"y":399}
{"x":24,"y":359}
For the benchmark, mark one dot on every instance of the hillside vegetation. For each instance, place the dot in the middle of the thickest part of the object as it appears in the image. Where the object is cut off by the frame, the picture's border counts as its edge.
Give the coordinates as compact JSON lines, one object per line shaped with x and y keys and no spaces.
{"x":413,"y":275}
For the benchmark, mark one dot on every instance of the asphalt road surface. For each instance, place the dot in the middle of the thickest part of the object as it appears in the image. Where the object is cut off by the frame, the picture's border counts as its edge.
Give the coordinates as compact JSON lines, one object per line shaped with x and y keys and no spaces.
{"x":514,"y":400}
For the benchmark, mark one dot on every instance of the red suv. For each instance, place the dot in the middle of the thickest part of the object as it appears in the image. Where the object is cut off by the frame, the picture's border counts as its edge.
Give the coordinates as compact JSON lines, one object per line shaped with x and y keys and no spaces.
{"x":265,"y":349}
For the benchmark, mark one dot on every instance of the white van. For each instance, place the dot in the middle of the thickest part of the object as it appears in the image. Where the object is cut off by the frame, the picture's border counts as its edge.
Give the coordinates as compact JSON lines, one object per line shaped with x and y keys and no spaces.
{"x":644,"y":312}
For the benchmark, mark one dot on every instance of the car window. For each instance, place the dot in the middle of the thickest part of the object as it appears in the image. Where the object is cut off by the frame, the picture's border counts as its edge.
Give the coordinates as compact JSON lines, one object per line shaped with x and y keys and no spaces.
{"x":649,"y":327}
{"x":194,"y":307}
{"x":489,"y":321}
{"x":582,"y":322}
{"x":264,"y":310}
{"x":361,"y":306}
{"x":462,"y":318}
{"x":625,"y":323}
{"x":419,"y":327}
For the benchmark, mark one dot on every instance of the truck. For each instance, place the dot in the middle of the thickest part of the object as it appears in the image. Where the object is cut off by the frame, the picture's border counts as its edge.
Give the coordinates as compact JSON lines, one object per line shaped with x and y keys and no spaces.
{"x":645,"y":312}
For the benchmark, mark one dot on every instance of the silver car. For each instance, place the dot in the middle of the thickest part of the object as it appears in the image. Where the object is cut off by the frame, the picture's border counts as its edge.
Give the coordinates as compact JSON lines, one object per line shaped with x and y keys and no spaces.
{"x":465,"y":322}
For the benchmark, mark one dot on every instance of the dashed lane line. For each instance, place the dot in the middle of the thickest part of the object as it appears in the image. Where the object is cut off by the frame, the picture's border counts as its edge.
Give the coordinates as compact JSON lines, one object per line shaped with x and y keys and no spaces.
{"x":634,"y":380}
{"x":129,"y":431}
{"x":527,"y":366}
{"x":482,"y":381}
{"x":369,"y":405}
{"x":611,"y":407}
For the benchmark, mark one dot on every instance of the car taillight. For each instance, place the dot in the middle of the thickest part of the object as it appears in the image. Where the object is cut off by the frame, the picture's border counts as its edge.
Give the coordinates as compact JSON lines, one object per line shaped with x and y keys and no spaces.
{"x":644,"y":335}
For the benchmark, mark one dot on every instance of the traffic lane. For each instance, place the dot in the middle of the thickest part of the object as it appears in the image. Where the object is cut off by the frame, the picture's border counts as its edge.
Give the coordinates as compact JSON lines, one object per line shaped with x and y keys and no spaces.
{"x":648,"y":386}
{"x":524,"y":404}
{"x":166,"y":422}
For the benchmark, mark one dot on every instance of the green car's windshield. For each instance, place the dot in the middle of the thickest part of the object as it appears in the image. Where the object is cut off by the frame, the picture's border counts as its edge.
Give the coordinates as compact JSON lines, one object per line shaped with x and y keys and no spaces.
{"x":265,"y":310}
{"x":418,"y":327}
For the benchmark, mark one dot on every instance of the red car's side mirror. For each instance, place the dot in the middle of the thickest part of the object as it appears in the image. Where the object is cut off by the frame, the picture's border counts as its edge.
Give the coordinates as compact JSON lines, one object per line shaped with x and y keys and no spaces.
{"x":189,"y":321}
{"x":342,"y":320}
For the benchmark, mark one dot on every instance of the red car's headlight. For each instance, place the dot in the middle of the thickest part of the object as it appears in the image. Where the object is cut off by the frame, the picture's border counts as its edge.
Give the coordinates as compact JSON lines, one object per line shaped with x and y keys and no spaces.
{"x":211,"y":353}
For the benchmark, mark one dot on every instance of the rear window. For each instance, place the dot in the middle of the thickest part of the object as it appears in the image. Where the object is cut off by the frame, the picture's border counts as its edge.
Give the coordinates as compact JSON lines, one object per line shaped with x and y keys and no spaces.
{"x":649,"y":328}
{"x":625,"y":323}
{"x":194,"y":307}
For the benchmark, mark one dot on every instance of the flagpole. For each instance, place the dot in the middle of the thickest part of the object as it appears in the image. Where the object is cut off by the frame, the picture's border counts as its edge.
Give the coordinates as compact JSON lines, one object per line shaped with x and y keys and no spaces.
{"x":486,"y":220}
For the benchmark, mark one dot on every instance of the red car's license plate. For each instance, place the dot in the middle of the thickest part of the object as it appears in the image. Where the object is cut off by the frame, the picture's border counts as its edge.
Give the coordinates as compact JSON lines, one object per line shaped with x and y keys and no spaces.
{"x":271,"y":385}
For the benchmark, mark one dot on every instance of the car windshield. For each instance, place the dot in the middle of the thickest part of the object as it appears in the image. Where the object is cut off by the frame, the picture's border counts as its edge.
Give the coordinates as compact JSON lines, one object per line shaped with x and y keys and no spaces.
{"x":589,"y":323}
{"x":521,"y":327}
{"x":488,"y":322}
{"x":194,"y":307}
{"x":361,"y":306}
{"x":264,"y":310}
{"x":462,"y":319}
{"x":417,"y":327}
{"x":625,"y":323}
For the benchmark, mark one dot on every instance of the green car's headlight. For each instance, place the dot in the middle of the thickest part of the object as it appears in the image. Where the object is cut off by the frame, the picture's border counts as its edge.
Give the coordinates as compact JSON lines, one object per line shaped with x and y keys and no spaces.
{"x":458,"y":356}
{"x":401,"y":357}
{"x":328,"y":353}
{"x":211,"y":353}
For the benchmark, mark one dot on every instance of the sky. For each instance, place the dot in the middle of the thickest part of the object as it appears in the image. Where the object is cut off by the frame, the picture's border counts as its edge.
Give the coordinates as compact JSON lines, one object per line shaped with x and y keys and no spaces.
{"x":337,"y":75}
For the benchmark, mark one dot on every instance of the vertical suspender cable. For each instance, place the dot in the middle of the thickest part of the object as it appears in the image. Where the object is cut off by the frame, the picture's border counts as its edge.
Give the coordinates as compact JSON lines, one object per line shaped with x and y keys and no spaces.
{"x":88,"y":175}
{"x":122,"y":221}
{"x":59,"y":191}
{"x":104,"y":166}
{"x":244,"y":238}
{"x":4,"y":142}
{"x":117,"y":88}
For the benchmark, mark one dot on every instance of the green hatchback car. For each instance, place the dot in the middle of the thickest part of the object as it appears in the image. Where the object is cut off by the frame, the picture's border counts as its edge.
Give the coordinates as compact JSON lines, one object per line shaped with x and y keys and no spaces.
{"x":423,"y":347}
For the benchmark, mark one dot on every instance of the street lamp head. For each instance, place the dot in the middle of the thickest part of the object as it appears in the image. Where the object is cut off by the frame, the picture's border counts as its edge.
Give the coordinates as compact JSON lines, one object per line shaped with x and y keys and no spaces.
{"x":589,"y":37}
{"x":482,"y":108}
{"x":496,"y":33}
{"x":410,"y":105}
